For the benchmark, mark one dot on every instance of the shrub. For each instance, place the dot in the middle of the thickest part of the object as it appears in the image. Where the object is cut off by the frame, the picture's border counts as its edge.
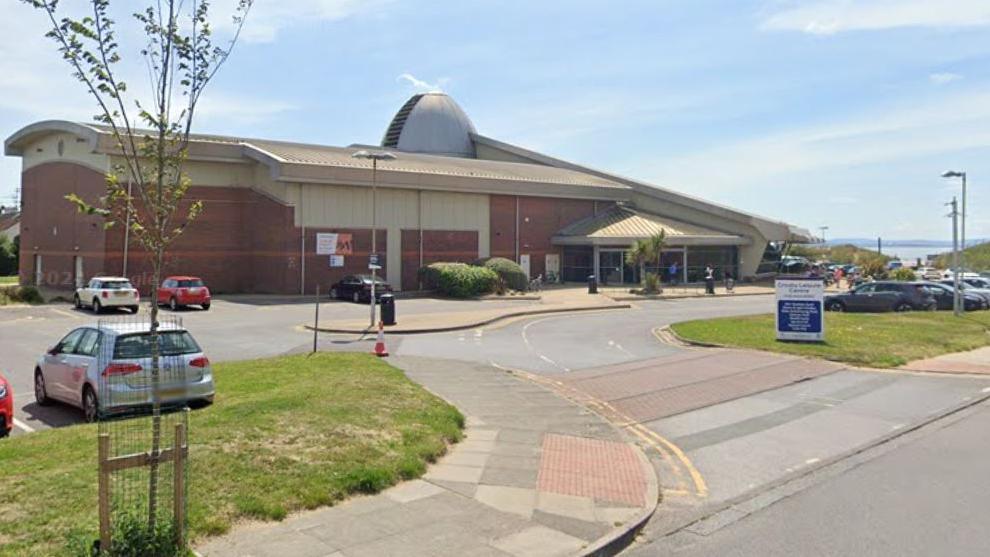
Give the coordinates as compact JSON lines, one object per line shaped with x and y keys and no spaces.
{"x":509,"y":271}
{"x":20,"y":295}
{"x":875,"y":267}
{"x":651,"y":285}
{"x":904,"y":274}
{"x":458,"y":280}
{"x":8,"y":257}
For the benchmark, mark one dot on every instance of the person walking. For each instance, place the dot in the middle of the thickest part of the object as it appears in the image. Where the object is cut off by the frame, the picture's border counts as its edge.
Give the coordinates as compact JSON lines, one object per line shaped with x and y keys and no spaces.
{"x":838,"y":278}
{"x":709,"y":279}
{"x":673,"y":273}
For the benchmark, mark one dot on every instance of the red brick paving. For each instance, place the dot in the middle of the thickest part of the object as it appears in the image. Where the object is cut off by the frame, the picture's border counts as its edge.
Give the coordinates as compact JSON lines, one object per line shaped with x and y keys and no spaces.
{"x":604,"y":470}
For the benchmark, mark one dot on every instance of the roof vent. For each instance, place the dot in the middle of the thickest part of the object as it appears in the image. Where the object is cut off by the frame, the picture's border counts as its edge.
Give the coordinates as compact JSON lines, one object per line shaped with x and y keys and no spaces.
{"x":431,"y":123}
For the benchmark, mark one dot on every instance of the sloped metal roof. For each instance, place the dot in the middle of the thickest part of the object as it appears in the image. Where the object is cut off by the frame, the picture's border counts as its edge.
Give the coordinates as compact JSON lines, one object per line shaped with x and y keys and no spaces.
{"x":621,"y":222}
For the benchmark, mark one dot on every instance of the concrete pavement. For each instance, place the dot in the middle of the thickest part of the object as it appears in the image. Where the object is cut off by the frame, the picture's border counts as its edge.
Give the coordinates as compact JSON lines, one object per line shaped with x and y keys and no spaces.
{"x":921,"y":494}
{"x":536,"y":475}
{"x":975,"y":361}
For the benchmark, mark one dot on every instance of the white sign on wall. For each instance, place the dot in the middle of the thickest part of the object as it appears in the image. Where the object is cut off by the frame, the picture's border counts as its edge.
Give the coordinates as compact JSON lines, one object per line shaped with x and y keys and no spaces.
{"x":336,"y":260}
{"x":800,"y":309}
{"x":326,"y":243}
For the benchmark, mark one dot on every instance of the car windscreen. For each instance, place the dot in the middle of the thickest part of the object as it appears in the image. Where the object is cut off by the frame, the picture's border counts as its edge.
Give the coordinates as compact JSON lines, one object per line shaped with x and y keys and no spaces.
{"x":195,"y":283}
{"x":136,"y":346}
{"x":116,"y":285}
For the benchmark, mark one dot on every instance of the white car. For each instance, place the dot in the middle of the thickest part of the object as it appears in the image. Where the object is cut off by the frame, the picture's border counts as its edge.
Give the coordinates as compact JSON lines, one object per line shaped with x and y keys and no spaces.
{"x":948,"y":274}
{"x":106,"y":370}
{"x":927,"y":273}
{"x":107,"y":292}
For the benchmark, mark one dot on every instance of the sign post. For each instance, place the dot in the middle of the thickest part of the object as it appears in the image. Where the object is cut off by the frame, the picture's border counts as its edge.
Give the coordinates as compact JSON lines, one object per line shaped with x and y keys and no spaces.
{"x":800,"y":314}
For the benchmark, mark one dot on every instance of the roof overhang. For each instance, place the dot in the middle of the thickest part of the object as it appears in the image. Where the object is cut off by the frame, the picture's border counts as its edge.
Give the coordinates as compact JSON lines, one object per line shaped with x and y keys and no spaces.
{"x":15,"y":144}
{"x":626,"y":241}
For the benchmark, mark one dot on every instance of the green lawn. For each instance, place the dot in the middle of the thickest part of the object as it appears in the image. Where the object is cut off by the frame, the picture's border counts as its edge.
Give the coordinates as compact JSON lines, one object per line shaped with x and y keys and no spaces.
{"x":285,"y":434}
{"x":876,"y":340}
{"x":9,"y":280}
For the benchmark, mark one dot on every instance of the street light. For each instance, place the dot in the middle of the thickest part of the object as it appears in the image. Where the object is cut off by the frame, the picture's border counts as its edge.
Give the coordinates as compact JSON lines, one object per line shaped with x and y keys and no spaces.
{"x":823,"y":229}
{"x":962,"y":227}
{"x":956,"y":301}
{"x":374,"y":156}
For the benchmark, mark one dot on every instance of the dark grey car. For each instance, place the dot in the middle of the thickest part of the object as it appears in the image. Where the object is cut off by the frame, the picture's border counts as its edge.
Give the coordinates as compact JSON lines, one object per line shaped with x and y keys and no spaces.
{"x":882,"y":296}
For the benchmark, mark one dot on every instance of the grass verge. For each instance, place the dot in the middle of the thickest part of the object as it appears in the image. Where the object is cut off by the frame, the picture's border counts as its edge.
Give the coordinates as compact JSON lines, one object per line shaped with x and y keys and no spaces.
{"x":881,"y":340}
{"x":285,"y":434}
{"x":9,"y":280}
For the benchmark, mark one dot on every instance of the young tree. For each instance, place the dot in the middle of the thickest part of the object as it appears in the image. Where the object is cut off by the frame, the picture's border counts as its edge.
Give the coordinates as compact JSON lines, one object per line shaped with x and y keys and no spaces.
{"x":146,"y":187}
{"x":647,"y":249}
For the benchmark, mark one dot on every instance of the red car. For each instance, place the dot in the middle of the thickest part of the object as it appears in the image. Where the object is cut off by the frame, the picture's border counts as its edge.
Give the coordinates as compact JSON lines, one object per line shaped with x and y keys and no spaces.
{"x":6,"y":407}
{"x":178,"y":292}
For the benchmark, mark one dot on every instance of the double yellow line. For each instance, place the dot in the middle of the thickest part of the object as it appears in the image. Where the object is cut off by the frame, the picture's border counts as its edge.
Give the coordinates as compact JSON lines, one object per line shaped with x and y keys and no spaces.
{"x":672,"y":455}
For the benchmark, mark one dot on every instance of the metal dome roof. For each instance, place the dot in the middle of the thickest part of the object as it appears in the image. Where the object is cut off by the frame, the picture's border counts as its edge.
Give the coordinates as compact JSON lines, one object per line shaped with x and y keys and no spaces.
{"x":431,"y":123}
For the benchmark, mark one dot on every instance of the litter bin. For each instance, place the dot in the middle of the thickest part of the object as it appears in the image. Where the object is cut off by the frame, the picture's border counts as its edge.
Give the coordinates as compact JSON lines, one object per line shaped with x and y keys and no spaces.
{"x":388,"y":308}
{"x":592,"y":285}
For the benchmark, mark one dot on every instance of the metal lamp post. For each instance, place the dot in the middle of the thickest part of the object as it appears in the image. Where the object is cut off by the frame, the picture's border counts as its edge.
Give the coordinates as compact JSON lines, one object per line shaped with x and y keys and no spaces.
{"x":823,"y":229}
{"x":374,"y":156}
{"x":956,"y":301}
{"x":962,"y":227}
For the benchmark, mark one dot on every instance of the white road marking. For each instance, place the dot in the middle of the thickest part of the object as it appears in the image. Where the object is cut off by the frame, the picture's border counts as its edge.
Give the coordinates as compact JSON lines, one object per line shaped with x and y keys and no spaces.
{"x":66,"y":313}
{"x":985,"y":390}
{"x":812,"y":460}
{"x":533,"y":350}
{"x":22,"y":425}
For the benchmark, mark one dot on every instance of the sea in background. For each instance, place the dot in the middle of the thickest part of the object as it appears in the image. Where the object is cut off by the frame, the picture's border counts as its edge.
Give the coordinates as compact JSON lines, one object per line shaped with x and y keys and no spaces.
{"x":905,"y":250}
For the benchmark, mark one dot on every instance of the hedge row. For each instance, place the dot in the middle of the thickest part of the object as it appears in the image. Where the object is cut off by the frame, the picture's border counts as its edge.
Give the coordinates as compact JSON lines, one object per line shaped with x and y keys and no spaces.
{"x":458,"y":280}
{"x":508,"y":270}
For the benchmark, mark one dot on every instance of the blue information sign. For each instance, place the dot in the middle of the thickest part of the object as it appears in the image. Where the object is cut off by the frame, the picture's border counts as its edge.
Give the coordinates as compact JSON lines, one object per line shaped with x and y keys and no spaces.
{"x":800,"y":314}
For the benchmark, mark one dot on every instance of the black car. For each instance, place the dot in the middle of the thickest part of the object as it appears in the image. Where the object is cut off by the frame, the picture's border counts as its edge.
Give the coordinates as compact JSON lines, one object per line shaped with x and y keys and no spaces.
{"x":943,"y":297}
{"x":358,"y":288}
{"x":883,"y":296}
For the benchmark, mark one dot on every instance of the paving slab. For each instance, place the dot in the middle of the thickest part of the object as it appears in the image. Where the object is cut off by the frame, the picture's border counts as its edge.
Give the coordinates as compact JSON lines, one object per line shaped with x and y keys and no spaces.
{"x":975,"y":361}
{"x":524,"y":481}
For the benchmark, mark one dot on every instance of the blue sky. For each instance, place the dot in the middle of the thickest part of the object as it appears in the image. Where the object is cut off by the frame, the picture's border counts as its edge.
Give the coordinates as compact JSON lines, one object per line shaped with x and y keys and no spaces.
{"x":821,"y":112}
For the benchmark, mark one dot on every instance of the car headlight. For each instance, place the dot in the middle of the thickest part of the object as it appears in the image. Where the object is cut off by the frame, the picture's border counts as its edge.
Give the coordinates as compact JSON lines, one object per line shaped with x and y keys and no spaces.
{"x":3,"y":391}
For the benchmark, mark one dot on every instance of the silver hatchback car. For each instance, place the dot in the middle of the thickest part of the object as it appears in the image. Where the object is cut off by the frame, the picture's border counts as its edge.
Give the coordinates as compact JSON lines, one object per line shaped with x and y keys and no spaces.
{"x":106,"y":369}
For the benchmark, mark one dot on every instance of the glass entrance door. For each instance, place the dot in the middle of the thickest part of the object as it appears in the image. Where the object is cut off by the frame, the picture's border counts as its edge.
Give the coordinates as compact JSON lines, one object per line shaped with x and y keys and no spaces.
{"x":610,"y":264}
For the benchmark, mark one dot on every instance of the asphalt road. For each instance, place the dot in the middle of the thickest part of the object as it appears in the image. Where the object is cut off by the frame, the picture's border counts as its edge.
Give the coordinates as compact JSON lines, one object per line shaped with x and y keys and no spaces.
{"x":923,"y":495}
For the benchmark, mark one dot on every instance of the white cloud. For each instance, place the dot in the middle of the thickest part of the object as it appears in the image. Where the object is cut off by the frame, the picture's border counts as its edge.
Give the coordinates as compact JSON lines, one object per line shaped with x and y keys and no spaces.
{"x":826,"y":17}
{"x":948,"y":124}
{"x":943,"y":78}
{"x":268,"y":17}
{"x":843,"y":200}
{"x":421,"y":85}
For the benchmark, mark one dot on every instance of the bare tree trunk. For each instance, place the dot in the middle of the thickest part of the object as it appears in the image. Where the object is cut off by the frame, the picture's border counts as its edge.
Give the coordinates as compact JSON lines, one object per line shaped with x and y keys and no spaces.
{"x":156,"y":403}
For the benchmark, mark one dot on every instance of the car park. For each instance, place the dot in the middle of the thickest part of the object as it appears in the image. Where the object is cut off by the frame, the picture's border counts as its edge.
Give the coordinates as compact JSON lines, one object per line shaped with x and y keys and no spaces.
{"x":105,"y":369}
{"x":977,"y":282}
{"x":969,"y":288}
{"x":181,"y":291}
{"x":6,"y":407}
{"x":107,"y":292}
{"x":927,"y":273}
{"x":883,"y":296}
{"x":357,"y":288}
{"x":943,"y":297}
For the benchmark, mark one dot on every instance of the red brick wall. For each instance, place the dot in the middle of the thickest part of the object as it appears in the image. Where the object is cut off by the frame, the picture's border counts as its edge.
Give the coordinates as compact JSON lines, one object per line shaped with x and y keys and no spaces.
{"x":457,"y":246}
{"x":546,"y":215}
{"x":318,"y":270}
{"x":53,"y":228}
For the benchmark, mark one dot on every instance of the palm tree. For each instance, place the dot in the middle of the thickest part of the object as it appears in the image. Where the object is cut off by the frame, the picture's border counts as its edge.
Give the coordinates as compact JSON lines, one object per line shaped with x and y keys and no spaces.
{"x":647,"y":249}
{"x":638,"y":254}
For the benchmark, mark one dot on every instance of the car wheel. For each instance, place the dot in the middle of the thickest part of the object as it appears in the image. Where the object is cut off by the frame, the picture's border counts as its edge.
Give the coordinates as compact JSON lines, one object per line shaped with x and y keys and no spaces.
{"x":357,"y":298}
{"x":836,"y":306}
{"x":91,"y":408}
{"x":3,"y":427}
{"x":134,"y":309}
{"x":172,"y":304}
{"x":97,"y":306}
{"x":903,"y":307}
{"x":40,"y":391}
{"x":77,"y":302}
{"x":206,"y":307}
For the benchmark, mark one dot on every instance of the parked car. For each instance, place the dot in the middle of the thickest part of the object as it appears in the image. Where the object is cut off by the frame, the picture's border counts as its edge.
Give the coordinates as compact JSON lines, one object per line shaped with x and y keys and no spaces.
{"x":927,"y":273}
{"x":977,"y":282}
{"x":6,"y":407}
{"x":107,"y":292}
{"x":358,"y":288}
{"x":943,"y":297}
{"x":119,"y":356}
{"x":968,"y":288}
{"x":179,"y":292}
{"x":883,"y":296}
{"x":949,"y":274}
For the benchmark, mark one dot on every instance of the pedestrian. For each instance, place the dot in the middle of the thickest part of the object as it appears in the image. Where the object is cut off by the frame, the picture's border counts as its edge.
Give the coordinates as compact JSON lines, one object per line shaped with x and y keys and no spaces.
{"x":709,"y":279}
{"x":673,"y":274}
{"x":730,"y":283}
{"x":838,"y":278}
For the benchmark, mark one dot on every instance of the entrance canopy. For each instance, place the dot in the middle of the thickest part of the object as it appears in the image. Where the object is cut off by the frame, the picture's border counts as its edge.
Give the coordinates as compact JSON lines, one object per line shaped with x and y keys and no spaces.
{"x":621,"y":226}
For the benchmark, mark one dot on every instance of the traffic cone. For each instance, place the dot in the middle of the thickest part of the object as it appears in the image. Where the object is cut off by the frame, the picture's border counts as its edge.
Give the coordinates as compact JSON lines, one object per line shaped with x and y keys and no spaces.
{"x":380,"y":349}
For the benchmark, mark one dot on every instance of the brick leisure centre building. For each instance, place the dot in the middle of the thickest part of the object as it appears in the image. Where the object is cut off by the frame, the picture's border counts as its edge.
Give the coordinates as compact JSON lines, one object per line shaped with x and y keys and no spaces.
{"x":450,"y":194}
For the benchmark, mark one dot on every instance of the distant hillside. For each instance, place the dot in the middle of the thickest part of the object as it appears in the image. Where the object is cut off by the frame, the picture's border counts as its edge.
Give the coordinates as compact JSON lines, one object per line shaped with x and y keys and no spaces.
{"x":976,"y":257}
